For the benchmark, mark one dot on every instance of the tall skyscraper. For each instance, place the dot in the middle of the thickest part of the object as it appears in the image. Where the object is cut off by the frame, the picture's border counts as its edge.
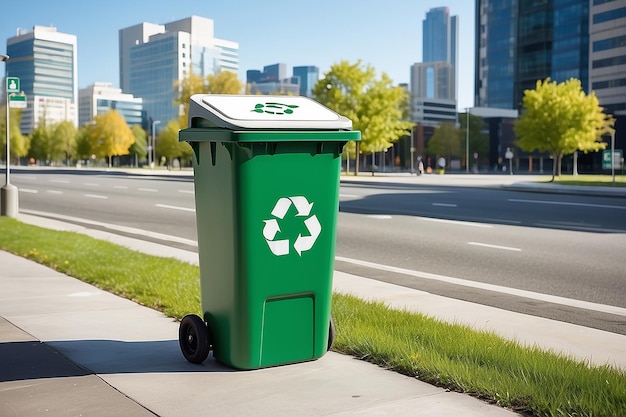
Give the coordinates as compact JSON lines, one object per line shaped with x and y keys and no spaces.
{"x":45,"y":62}
{"x":434,"y":80}
{"x":154,"y":57}
{"x":520,"y":42}
{"x":440,"y":37}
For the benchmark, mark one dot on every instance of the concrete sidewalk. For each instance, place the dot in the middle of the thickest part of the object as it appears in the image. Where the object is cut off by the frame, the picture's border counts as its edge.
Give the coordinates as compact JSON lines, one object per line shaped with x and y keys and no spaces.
{"x":103,"y":355}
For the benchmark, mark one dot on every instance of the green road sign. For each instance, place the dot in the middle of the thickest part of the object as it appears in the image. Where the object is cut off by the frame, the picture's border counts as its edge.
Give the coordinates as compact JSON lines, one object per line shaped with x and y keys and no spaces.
{"x":13,"y":85}
{"x":617,"y":159}
{"x":17,"y":101}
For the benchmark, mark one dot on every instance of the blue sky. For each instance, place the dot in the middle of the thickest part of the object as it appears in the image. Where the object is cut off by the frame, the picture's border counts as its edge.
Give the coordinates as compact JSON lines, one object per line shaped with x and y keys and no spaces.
{"x":384,"y":34}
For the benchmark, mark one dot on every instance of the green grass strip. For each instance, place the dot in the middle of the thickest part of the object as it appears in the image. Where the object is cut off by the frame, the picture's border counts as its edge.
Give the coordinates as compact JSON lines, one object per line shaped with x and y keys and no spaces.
{"x":482,"y":364}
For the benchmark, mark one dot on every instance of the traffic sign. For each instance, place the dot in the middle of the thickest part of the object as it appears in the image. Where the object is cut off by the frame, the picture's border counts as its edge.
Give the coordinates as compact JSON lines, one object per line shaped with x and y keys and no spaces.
{"x":13,"y":85}
{"x":17,"y":101}
{"x":617,"y":159}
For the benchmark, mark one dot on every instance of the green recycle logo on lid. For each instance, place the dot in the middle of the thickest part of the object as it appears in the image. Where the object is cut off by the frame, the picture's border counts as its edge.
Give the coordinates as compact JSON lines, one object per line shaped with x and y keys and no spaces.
{"x":274,"y":108}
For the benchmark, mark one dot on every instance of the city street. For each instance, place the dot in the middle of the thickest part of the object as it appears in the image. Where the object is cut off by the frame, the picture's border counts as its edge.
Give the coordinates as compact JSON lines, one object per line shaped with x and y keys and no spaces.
{"x":556,"y":256}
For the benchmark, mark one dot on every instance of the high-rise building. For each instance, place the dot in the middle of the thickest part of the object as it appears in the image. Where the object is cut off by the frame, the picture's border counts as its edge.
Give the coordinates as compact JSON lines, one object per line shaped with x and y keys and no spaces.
{"x":274,"y":80}
{"x":434,"y":81}
{"x":98,"y":98}
{"x":608,"y":54}
{"x":153,"y":58}
{"x":520,"y":42}
{"x":309,"y":75}
{"x":440,"y":37}
{"x":45,"y":62}
{"x":432,"y":93}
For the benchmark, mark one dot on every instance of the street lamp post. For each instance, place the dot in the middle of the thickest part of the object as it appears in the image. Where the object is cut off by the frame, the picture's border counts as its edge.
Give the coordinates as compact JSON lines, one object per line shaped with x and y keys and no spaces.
{"x":153,"y":146}
{"x":8,"y":194}
{"x":467,"y":140}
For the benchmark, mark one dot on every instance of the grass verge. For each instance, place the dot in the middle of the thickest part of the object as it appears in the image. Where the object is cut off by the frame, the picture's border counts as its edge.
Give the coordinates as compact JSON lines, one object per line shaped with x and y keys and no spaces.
{"x":591,"y":180}
{"x":456,"y":357}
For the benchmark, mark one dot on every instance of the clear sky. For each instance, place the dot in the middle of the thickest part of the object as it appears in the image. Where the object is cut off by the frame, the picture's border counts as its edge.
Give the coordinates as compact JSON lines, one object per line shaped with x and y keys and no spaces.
{"x":384,"y":34}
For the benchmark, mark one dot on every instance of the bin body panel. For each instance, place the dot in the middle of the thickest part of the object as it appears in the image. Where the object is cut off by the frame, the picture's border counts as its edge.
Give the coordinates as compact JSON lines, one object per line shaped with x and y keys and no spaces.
{"x":266,"y":217}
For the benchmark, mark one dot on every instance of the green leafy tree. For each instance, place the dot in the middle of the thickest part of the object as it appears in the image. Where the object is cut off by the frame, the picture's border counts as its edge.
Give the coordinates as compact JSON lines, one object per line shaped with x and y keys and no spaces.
{"x":140,"y":147}
{"x":41,"y":143}
{"x":83,"y":145}
{"x":446,"y":142}
{"x":110,"y":135}
{"x":168,"y":146}
{"x":19,"y":143}
{"x":64,"y":138}
{"x":375,"y":106}
{"x":559,"y":118}
{"x":224,"y":82}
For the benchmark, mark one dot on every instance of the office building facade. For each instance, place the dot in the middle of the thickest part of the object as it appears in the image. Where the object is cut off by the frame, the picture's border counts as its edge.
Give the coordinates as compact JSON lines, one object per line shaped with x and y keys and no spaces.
{"x":274,"y":80}
{"x":607,"y":67}
{"x":433,"y":87}
{"x":309,"y":76}
{"x":45,"y":62}
{"x":99,"y":98}
{"x":520,"y":42}
{"x":154,"y":58}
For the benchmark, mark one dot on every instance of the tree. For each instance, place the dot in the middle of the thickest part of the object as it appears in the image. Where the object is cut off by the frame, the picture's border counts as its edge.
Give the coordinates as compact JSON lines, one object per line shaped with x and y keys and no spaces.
{"x":64,"y":135}
{"x":110,"y":135}
{"x":224,"y":82}
{"x":559,"y":118}
{"x":40,"y":143}
{"x":446,"y":142}
{"x":376,"y":108}
{"x":140,"y":147}
{"x":168,"y":146}
{"x":19,"y":143}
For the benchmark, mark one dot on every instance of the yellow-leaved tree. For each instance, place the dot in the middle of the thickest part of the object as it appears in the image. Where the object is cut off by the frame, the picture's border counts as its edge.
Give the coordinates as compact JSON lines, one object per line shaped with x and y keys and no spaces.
{"x":224,"y":82}
{"x":109,"y":135}
{"x":375,"y":106}
{"x":559,"y":118}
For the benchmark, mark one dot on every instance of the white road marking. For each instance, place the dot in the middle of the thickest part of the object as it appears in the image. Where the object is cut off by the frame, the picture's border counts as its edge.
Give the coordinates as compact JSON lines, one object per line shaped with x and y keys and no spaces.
{"x":186,"y":191}
{"x":151,"y":190}
{"x":102,"y":197}
{"x":490,"y":287}
{"x":54,"y":192}
{"x":565,"y":203}
{"x":27,"y":190}
{"x":60,"y":181}
{"x":348,"y":196}
{"x":124,"y":229}
{"x":175,"y":207}
{"x":444,"y":205}
{"x":379,"y":216}
{"x":456,"y":222}
{"x":487,"y":245}
{"x":91,"y":184}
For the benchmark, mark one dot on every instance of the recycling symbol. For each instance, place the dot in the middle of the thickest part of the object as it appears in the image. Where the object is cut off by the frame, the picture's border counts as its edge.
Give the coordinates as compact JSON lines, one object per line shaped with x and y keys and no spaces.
{"x":302,"y":243}
{"x":274,"y":108}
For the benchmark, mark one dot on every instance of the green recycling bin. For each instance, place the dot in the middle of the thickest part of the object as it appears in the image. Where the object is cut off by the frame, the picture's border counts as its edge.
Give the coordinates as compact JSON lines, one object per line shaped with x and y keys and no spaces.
{"x":266,"y":176}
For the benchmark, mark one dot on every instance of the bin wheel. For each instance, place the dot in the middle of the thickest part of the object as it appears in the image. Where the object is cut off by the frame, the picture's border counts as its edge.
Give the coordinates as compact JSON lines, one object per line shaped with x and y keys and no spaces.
{"x":193,"y":338}
{"x":331,"y":333}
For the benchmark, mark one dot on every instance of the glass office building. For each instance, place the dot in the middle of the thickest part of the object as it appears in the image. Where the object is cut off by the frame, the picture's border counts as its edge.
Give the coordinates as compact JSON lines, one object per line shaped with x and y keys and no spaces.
{"x":154,"y":59}
{"x":309,"y":75}
{"x":100,"y":97}
{"x":521,"y":41}
{"x":45,"y":62}
{"x":433,"y":88}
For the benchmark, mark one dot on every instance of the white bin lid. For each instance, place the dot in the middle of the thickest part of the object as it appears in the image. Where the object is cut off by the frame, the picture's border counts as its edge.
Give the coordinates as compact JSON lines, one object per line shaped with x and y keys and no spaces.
{"x":264,"y":112}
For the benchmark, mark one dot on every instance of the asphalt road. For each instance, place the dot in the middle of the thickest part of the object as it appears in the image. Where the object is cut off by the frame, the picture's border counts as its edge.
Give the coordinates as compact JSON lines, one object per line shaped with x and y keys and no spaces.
{"x":556,"y":256}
